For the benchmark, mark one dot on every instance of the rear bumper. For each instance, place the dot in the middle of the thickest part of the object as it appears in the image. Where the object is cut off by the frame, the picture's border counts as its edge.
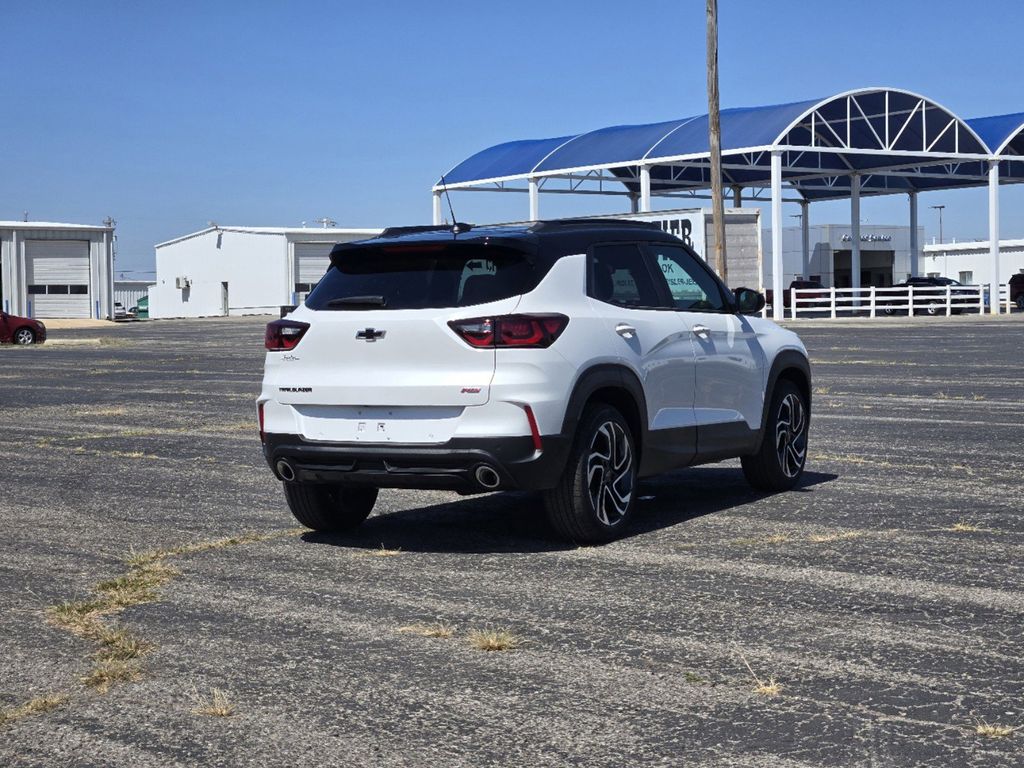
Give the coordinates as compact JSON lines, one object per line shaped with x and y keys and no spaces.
{"x":450,"y":466}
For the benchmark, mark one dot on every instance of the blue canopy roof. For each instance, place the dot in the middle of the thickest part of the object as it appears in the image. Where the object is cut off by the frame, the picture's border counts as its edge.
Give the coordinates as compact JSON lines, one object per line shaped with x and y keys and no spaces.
{"x":741,"y":127}
{"x":866,"y":131}
{"x":1004,"y":134}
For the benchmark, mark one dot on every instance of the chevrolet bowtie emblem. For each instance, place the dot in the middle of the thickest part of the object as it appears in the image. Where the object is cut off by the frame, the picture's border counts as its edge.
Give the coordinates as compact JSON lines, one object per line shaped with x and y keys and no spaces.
{"x":370,"y":334}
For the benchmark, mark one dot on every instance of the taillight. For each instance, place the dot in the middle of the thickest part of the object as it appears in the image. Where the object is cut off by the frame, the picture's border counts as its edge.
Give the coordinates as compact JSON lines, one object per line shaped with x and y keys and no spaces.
{"x":524,"y":331}
{"x":283,"y":335}
{"x":263,"y":434}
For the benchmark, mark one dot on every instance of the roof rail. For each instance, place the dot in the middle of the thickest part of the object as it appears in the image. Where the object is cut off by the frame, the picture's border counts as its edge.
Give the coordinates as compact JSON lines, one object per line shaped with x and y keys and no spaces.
{"x":399,"y":231}
{"x":591,"y":222}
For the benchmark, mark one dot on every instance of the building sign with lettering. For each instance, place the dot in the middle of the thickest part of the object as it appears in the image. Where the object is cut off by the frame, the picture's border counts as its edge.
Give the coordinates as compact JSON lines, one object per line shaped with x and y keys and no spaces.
{"x":688,"y":226}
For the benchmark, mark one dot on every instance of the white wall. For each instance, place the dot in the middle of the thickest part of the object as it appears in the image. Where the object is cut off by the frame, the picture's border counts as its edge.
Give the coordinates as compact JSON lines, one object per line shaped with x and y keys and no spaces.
{"x":951,"y":259}
{"x":254,"y":265}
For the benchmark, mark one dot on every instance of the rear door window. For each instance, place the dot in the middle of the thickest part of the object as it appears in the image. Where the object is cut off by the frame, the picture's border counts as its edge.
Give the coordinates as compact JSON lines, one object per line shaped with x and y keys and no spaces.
{"x":427,"y":276}
{"x":617,"y":274}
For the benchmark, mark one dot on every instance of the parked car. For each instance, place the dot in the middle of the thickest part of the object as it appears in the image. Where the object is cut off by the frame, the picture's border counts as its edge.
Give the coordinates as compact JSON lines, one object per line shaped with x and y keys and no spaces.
{"x":568,"y":357}
{"x":823,"y":296}
{"x":1016,"y":284}
{"x":21,"y":330}
{"x":931,"y":298}
{"x":119,"y":311}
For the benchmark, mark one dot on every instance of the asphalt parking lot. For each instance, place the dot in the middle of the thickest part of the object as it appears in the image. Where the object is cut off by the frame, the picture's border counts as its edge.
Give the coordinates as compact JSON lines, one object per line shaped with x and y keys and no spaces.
{"x":873,"y":617}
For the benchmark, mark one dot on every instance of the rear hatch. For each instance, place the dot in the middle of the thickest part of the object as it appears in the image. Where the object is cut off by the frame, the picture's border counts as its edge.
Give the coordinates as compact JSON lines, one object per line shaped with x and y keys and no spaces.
{"x":379,"y":362}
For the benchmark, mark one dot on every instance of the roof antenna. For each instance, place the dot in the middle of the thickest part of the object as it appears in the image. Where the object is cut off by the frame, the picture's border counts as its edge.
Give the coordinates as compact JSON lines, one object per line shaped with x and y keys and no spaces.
{"x":455,"y":222}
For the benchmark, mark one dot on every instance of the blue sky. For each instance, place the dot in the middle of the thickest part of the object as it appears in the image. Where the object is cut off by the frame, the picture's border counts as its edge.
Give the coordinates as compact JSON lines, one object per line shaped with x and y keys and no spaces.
{"x":169,"y":115}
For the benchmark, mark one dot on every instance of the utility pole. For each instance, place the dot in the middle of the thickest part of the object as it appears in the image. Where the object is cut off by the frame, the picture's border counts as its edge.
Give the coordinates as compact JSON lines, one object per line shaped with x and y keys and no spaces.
{"x":715,"y":140}
{"x":939,"y":209}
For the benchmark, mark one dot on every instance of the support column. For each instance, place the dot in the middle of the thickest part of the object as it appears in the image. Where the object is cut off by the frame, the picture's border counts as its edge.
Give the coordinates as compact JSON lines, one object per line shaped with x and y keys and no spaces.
{"x":855,"y":233}
{"x":737,"y":196}
{"x":634,"y":203}
{"x":437,"y":208}
{"x":915,"y":247}
{"x":805,"y":239}
{"x":645,"y":188}
{"x":993,"y":235}
{"x":777,"y":299}
{"x":534,"y":200}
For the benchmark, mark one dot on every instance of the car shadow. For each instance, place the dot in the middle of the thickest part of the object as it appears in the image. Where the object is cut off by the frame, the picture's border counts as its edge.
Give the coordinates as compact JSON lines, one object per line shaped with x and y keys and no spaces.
{"x":515,"y":522}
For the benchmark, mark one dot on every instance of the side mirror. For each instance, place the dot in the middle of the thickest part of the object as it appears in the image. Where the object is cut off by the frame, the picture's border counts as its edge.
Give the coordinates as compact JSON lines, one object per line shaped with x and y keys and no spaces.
{"x":748,"y":301}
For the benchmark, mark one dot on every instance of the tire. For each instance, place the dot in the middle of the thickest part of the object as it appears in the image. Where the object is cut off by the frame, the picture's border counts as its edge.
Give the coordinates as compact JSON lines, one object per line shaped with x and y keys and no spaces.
{"x":325,"y":507}
{"x":584,"y":507}
{"x":934,"y":307}
{"x":888,"y":311}
{"x":24,"y":336}
{"x":779,"y":462}
{"x":1020,"y":302}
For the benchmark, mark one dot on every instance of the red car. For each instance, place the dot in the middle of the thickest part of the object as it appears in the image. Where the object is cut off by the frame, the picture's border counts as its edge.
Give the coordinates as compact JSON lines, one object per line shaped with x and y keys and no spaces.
{"x":21,"y":330}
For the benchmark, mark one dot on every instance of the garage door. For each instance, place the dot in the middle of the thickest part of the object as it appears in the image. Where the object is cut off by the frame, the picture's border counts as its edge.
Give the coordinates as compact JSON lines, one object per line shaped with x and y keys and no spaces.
{"x":311,"y":262}
{"x":57,"y":275}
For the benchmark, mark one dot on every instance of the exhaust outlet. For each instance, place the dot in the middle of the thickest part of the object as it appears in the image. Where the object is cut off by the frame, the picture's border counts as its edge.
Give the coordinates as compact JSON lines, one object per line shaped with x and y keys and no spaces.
{"x":285,"y":471}
{"x":487,"y":477}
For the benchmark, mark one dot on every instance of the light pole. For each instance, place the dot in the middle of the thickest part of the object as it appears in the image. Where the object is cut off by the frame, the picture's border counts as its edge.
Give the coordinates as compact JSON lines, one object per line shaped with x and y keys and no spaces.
{"x":939,"y":209}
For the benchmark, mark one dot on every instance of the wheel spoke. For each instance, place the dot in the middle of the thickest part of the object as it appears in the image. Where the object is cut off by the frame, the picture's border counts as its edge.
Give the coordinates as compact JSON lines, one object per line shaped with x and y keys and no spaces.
{"x":610,"y":473}
{"x":791,"y":435}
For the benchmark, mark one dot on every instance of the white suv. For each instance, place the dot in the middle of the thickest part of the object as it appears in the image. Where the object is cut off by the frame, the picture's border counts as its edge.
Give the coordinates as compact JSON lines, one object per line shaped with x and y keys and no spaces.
{"x":571,"y":357}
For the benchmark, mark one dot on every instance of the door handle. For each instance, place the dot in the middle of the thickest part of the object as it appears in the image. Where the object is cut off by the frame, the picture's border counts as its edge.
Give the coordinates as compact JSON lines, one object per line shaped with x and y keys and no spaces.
{"x":702,"y":331}
{"x":625,"y":331}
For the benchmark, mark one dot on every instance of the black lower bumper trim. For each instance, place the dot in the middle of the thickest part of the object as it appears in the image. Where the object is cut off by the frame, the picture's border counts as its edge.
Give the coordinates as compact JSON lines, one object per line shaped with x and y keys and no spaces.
{"x":450,"y":466}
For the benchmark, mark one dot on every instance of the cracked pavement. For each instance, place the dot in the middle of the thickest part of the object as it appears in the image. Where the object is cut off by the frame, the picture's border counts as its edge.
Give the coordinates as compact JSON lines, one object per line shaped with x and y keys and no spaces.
{"x":891,"y":634}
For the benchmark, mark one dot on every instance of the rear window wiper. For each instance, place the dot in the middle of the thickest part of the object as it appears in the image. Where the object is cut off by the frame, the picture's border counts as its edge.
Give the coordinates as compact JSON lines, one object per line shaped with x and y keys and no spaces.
{"x":354,"y":302}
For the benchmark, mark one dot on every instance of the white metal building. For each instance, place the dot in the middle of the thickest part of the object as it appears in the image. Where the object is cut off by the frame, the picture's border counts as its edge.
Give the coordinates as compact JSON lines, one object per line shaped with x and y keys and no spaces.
{"x":970,"y":262}
{"x":52,"y":270}
{"x":223,"y":271}
{"x":128,"y":292}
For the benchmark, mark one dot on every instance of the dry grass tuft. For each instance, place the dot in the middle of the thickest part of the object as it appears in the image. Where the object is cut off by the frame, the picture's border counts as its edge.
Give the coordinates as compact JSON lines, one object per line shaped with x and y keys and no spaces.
{"x":136,"y":587}
{"x":434,"y":629}
{"x":822,"y":390}
{"x":110,"y":671}
{"x":994,"y":730}
{"x":382,"y":552}
{"x":827,"y":538}
{"x":118,"y":644}
{"x":494,"y":640}
{"x":962,"y":526}
{"x":36,"y":706}
{"x":142,"y":558}
{"x":79,"y":617}
{"x":769,"y":687}
{"x":215,"y":706}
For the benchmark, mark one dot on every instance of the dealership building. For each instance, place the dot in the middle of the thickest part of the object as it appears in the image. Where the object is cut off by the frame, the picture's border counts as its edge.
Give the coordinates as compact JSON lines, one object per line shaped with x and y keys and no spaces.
{"x":51,"y":270}
{"x":221,"y":271}
{"x":885,"y":254}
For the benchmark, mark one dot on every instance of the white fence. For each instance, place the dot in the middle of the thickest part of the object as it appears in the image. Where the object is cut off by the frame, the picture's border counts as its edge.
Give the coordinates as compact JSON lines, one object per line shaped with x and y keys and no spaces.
{"x":902,"y":300}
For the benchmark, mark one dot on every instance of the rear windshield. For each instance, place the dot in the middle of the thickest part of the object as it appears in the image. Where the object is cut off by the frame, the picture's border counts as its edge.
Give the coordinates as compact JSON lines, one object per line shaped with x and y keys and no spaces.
{"x":422,"y":277}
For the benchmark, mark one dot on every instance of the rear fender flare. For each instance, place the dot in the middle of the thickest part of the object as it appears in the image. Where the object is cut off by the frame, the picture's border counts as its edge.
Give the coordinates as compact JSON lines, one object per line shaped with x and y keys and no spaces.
{"x":600,"y":377}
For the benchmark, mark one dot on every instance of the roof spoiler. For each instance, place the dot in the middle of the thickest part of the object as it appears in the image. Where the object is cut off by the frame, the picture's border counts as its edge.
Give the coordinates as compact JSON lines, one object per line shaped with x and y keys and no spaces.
{"x":455,"y":229}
